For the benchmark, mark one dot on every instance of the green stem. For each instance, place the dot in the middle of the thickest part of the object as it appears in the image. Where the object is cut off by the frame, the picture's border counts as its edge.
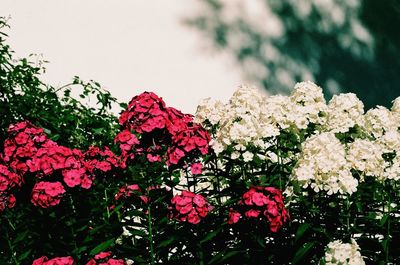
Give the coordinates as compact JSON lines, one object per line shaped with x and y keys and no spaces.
{"x":106,"y":199}
{"x":388,"y":224}
{"x":348,"y":215}
{"x":74,"y":214}
{"x":11,"y":249}
{"x":218,"y":185}
{"x":150,"y":234}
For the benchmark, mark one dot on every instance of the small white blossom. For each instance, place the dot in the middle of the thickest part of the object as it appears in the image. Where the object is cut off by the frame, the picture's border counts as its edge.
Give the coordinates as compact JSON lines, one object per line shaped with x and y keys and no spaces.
{"x":339,"y":253}
{"x":247,"y":156}
{"x":235,"y":155}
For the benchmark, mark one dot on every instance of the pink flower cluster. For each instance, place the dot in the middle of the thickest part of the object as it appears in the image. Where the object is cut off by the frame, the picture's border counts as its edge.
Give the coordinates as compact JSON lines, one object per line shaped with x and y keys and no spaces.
{"x":104,"y":258}
{"x":24,"y":140}
{"x":127,"y":142}
{"x":46,"y":194}
{"x":194,"y":138}
{"x":265,"y":203}
{"x":103,"y":161}
{"x":30,"y":153}
{"x":165,"y":133}
{"x":189,"y":207}
{"x":8,"y":180}
{"x":145,"y":113}
{"x":70,"y":162}
{"x":55,"y":261}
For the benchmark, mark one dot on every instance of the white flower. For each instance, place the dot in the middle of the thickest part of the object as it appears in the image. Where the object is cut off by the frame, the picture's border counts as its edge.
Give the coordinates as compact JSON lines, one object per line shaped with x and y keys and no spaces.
{"x":366,"y":156}
{"x":322,"y":166}
{"x":396,"y":105}
{"x":343,"y":253}
{"x":129,"y":262}
{"x":309,"y":104}
{"x":211,"y":110}
{"x":247,"y":156}
{"x":241,"y":121}
{"x":344,"y":112}
{"x":393,"y":170}
{"x":276,"y":111}
{"x":235,"y":155}
{"x":217,"y":146}
{"x":379,"y":120}
{"x":390,"y":141}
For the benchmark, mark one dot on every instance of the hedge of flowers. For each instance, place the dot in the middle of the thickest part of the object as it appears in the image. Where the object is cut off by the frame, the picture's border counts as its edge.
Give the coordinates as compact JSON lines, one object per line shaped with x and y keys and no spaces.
{"x":255,"y":180}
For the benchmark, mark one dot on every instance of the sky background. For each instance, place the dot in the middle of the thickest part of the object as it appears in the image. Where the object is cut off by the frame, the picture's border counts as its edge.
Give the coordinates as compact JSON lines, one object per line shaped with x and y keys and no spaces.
{"x":129,"y":46}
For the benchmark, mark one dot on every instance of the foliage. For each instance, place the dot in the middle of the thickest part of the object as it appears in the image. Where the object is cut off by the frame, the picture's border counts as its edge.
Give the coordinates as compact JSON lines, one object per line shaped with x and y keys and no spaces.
{"x":23,"y":96}
{"x":346,"y":46}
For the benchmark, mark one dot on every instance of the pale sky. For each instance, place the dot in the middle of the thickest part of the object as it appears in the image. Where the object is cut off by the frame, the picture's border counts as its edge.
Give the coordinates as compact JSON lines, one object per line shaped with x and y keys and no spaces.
{"x":129,"y":46}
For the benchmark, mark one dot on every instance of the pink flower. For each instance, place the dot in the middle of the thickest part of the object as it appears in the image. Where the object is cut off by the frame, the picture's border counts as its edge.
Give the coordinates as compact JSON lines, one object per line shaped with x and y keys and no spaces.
{"x":264,"y":203}
{"x":104,"y":258}
{"x":55,"y":261}
{"x":233,"y":217}
{"x":189,"y":207}
{"x":103,"y":255}
{"x":252,"y":213}
{"x":73,"y":177}
{"x":46,"y":194}
{"x":196,"y":168}
{"x":153,"y":158}
{"x":21,"y":138}
{"x":199,"y":200}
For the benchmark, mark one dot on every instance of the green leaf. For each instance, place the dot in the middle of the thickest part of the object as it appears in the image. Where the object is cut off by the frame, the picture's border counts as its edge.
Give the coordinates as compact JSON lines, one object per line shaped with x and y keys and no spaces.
{"x":103,"y":246}
{"x":210,"y":235}
{"x":222,"y":256}
{"x":301,"y":230}
{"x":302,"y":252}
{"x":384,"y":220}
{"x":24,"y":255}
{"x":20,"y":237}
{"x":166,"y":242}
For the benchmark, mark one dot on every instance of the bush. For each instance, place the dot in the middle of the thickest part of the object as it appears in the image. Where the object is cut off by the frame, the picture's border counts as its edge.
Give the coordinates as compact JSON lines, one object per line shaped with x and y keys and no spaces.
{"x":256,"y":180}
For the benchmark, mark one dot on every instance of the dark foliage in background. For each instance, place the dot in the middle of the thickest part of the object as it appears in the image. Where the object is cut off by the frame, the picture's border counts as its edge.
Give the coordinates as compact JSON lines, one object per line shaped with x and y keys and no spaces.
{"x":346,"y":46}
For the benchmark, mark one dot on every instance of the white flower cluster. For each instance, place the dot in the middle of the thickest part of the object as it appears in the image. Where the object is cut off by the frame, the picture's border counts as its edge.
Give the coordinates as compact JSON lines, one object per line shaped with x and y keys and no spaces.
{"x":338,"y":253}
{"x":249,"y":118}
{"x":323,"y":166}
{"x":211,"y":110}
{"x":344,"y":112}
{"x":366,"y":156}
{"x":379,"y":120}
{"x":249,"y":123}
{"x":308,"y":104}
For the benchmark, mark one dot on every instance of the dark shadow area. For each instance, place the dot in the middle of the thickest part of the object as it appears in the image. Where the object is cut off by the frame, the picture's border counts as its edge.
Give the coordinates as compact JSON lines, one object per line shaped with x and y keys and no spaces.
{"x":343,"y":46}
